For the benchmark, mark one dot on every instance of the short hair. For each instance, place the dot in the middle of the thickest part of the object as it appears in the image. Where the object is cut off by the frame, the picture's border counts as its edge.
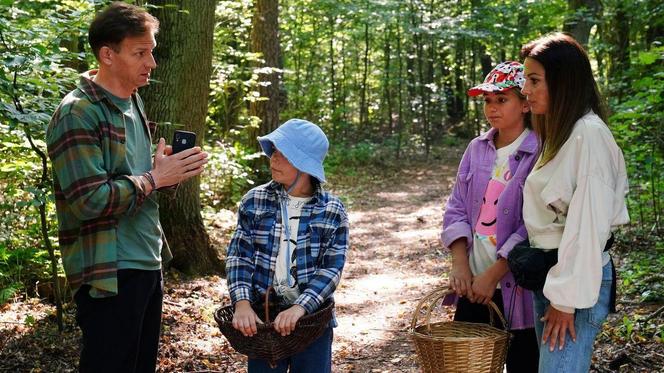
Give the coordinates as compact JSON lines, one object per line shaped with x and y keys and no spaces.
{"x":571,"y":86}
{"x":117,"y":22}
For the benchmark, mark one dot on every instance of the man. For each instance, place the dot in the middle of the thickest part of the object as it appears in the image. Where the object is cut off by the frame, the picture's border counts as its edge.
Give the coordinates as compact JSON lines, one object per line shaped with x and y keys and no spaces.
{"x":112,"y":244}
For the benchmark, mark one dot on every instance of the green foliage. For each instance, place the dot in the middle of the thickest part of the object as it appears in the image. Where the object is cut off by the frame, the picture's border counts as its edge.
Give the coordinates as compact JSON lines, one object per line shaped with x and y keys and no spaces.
{"x":226,"y":177}
{"x":641,"y":273}
{"x":35,"y":71}
{"x":637,"y":125}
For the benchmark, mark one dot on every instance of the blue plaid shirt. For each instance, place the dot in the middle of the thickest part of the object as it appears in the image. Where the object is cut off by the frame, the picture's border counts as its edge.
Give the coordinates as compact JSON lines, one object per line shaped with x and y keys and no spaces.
{"x":322,"y":241}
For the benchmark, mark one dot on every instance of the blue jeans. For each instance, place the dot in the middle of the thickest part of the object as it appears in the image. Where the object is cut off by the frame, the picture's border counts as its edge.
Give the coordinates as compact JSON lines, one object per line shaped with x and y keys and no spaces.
{"x":316,"y":358}
{"x":575,"y":356}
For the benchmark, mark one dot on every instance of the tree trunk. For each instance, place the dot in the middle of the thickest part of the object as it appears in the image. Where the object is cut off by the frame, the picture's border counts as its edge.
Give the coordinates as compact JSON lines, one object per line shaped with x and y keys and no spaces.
{"x":387,"y":94}
{"x":265,"y":40}
{"x":364,"y":110}
{"x":619,"y":51}
{"x":400,"y":120}
{"x":184,"y":55}
{"x":333,"y":81}
{"x":581,"y":18}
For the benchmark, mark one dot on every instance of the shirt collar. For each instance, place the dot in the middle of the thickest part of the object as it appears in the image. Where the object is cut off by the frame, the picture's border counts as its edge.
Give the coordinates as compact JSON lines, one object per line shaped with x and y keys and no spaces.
{"x":529,"y":145}
{"x":279,"y":190}
{"x":94,"y":91}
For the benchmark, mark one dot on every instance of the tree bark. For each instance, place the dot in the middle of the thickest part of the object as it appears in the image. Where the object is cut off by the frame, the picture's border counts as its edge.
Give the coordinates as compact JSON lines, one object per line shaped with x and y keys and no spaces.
{"x":619,"y":51}
{"x":582,"y":17}
{"x":184,"y":56}
{"x":387,"y":94}
{"x":265,"y":40}
{"x":364,"y":110}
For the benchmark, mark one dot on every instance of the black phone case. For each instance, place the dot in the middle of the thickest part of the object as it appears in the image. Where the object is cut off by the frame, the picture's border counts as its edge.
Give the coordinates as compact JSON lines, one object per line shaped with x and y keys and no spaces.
{"x":183,"y":140}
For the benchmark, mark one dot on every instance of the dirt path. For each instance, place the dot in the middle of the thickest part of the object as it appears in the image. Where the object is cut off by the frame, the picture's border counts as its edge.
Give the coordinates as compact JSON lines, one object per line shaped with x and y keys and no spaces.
{"x":394,"y":259}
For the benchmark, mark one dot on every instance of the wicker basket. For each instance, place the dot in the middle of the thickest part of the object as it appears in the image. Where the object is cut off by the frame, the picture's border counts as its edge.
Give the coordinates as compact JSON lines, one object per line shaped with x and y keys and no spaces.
{"x":455,"y":346}
{"x":267,"y":344}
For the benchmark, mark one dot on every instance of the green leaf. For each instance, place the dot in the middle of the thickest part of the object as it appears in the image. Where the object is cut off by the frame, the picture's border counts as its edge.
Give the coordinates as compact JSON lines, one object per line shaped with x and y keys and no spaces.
{"x":648,"y":58}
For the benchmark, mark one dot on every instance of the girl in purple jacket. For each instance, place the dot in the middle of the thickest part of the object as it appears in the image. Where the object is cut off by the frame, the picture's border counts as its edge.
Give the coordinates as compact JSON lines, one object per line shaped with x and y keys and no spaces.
{"x":483,"y":221}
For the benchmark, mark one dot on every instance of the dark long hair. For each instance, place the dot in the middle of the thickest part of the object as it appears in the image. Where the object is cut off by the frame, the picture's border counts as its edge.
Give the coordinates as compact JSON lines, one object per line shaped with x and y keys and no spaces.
{"x":571,"y":86}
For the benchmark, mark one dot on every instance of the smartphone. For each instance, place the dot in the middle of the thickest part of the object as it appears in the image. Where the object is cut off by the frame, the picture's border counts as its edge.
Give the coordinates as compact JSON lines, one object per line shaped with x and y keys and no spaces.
{"x":183,"y":140}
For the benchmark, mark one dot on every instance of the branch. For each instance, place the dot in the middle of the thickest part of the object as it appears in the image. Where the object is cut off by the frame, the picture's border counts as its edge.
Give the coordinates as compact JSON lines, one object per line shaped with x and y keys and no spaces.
{"x":654,"y":314}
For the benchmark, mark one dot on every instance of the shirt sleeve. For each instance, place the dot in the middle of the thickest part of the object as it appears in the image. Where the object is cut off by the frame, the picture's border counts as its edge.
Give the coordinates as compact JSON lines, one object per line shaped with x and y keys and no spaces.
{"x":591,"y":199}
{"x":519,"y":235}
{"x":240,"y":258}
{"x":456,"y":222}
{"x":326,"y":278}
{"x":575,"y":280}
{"x":79,"y":167}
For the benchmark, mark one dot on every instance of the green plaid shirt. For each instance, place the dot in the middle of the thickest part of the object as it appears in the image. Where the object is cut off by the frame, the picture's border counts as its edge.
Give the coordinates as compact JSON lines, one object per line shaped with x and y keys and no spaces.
{"x":86,"y":145}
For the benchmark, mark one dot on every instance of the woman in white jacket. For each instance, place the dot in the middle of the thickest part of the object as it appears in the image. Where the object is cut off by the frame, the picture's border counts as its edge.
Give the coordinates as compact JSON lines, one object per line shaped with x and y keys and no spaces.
{"x":573,"y":199}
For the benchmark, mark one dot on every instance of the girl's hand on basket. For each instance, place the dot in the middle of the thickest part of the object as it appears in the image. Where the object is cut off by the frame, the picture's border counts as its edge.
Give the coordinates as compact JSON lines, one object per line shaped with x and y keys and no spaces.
{"x":461,"y":277}
{"x":286,"y":320}
{"x":484,"y":284}
{"x":556,"y":325}
{"x":245,"y":319}
{"x":483,"y":288}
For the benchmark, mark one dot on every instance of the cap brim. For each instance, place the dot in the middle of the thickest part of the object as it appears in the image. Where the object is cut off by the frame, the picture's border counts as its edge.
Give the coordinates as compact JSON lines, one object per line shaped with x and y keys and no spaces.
{"x":488,"y":88}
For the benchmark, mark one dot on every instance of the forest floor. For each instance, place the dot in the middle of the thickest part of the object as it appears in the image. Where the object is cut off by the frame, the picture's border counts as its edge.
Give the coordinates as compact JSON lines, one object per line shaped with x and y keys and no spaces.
{"x":394,"y":260}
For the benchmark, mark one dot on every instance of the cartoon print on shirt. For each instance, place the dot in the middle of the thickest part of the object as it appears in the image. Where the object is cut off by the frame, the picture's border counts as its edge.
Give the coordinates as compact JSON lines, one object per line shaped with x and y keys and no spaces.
{"x":486,"y":224}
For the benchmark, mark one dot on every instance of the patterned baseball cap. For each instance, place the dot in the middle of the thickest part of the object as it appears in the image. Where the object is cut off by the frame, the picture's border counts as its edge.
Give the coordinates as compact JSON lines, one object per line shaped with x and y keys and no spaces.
{"x":506,"y":75}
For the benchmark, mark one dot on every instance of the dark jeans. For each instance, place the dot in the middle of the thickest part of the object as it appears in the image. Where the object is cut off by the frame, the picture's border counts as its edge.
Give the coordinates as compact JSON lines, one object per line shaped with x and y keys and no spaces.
{"x":316,"y":358}
{"x":121,"y":333}
{"x":523,"y":353}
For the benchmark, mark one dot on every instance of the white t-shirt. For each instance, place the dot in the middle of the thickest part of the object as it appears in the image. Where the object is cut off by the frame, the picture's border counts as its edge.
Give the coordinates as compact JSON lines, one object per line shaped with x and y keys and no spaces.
{"x":283,"y":269}
{"x":572,"y":203}
{"x":484,"y":250}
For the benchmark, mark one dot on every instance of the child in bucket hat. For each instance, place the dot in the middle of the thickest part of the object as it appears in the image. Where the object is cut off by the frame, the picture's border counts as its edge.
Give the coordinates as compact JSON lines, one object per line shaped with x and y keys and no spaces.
{"x":483,"y":221}
{"x":301,"y":259}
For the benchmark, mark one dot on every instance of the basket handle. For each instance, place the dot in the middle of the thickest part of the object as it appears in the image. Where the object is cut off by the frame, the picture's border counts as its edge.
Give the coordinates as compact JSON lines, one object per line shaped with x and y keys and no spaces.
{"x":267,"y":303}
{"x":436,"y":295}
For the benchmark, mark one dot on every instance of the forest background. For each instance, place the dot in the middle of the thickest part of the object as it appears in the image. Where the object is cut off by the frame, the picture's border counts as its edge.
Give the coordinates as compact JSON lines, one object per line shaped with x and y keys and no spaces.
{"x":386,"y":80}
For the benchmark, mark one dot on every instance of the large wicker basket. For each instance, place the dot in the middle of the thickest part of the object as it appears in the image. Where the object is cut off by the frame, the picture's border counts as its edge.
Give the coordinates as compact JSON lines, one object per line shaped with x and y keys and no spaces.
{"x":455,"y":346}
{"x":267,"y":344}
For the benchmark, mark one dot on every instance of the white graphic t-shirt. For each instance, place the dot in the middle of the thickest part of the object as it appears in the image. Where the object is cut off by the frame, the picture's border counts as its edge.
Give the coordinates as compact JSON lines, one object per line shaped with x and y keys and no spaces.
{"x":484,"y":240}
{"x":284,"y":270}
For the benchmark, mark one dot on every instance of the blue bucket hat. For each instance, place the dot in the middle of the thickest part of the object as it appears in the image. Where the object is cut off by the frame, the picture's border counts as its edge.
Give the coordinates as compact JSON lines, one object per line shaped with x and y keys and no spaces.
{"x":303,"y":143}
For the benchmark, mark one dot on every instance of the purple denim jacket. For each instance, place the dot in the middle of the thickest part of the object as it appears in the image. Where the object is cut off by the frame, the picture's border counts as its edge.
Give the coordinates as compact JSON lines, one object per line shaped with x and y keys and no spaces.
{"x":463,"y":209}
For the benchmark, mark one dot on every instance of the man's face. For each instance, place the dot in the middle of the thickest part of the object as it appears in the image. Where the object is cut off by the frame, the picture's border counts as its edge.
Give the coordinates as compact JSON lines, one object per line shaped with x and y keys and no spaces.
{"x":133,"y":62}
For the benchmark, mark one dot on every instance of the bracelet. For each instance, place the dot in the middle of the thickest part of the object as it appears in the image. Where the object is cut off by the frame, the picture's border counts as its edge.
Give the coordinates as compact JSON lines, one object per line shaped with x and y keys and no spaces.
{"x":148,"y":175}
{"x":142,"y":186}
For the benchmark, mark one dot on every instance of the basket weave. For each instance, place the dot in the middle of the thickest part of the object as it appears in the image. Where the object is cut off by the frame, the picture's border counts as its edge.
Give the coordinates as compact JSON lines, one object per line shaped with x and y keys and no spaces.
{"x":455,"y":346}
{"x":267,"y":343}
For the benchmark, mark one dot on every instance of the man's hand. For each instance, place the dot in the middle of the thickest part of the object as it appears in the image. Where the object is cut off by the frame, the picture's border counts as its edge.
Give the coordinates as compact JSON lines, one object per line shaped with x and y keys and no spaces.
{"x":170,"y":169}
{"x":286,"y":320}
{"x":245,"y":319}
{"x":556,"y":325}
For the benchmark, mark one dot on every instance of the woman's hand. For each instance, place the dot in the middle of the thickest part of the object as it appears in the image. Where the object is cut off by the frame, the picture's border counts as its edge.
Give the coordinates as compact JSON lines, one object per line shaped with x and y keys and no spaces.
{"x":245,"y":319}
{"x":556,"y":325}
{"x":286,"y":320}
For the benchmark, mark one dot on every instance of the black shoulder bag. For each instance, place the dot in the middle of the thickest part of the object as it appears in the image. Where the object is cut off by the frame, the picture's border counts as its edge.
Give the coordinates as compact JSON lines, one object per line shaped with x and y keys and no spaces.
{"x":530,"y":265}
